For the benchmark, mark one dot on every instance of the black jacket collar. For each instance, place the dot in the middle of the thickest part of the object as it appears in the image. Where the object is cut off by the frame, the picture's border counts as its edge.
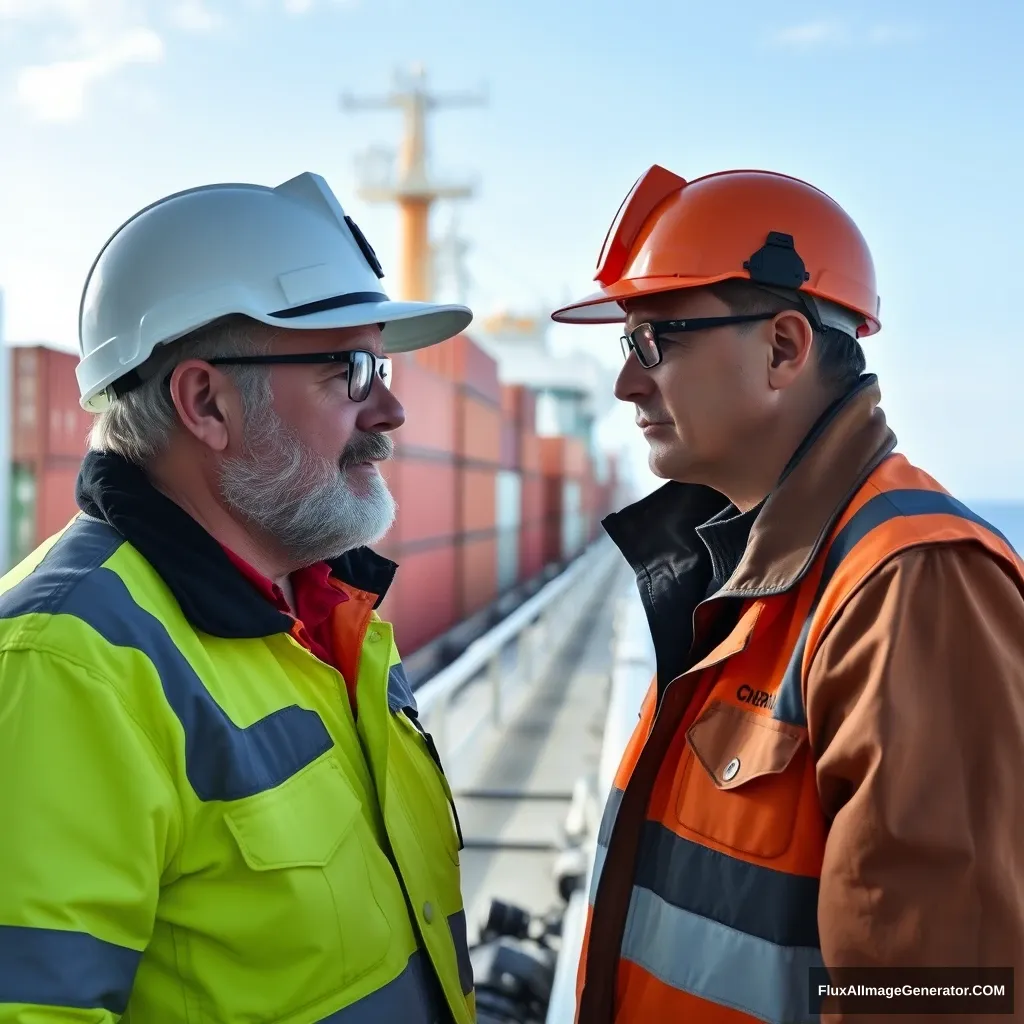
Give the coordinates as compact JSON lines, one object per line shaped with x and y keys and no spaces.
{"x":213,"y":594}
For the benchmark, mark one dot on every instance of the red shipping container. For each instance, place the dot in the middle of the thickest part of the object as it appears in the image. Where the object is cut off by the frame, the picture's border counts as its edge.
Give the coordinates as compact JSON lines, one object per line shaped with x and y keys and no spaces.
{"x":422,"y":601}
{"x":511,"y":446}
{"x":531,"y":551}
{"x":478,"y":575}
{"x":529,"y":449}
{"x":533,"y":499}
{"x":462,"y":360}
{"x":429,"y":403}
{"x":563,"y":456}
{"x":519,"y":406}
{"x":479,"y":430}
{"x":425,"y":490}
{"x":478,"y":501}
{"x":47,"y":417}
{"x":55,"y":497}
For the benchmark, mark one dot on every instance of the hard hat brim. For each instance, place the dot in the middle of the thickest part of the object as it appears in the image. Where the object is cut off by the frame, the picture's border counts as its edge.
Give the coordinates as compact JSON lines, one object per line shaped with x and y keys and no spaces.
{"x":605,"y":306}
{"x":407,"y":325}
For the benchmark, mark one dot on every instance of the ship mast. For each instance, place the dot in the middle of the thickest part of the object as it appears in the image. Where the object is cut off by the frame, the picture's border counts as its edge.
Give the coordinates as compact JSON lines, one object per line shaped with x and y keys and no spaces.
{"x":413,"y":191}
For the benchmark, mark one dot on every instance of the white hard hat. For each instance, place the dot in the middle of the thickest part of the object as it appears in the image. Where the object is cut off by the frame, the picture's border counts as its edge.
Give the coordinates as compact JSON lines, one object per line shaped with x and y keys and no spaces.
{"x":286,"y":256}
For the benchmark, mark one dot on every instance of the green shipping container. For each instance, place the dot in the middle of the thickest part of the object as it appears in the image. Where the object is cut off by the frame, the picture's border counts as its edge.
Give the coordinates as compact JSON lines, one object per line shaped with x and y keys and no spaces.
{"x":22,"y":520}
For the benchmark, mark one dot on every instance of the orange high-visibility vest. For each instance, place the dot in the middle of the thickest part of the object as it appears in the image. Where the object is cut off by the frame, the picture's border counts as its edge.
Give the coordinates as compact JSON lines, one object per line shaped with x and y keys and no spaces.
{"x":715,"y":804}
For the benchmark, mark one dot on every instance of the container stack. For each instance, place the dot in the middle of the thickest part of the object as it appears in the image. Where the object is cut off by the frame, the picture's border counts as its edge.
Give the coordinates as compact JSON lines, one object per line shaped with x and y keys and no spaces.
{"x":49,"y":435}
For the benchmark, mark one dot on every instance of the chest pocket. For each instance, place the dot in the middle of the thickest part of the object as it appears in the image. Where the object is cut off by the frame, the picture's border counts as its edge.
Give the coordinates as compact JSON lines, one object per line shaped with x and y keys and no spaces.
{"x":317,"y":898}
{"x":742,"y":780}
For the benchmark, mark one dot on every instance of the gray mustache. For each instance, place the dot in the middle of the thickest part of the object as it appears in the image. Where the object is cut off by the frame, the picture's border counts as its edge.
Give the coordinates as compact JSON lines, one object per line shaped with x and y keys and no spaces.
{"x":367,"y":448}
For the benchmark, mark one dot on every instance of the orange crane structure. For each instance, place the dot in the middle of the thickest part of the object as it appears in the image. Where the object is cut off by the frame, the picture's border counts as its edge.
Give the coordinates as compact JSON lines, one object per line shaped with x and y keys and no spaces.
{"x":413,"y":190}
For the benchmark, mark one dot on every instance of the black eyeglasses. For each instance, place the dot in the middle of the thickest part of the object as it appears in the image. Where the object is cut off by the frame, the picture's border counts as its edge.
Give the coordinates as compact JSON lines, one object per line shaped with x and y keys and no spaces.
{"x":645,"y":339}
{"x":363,"y":367}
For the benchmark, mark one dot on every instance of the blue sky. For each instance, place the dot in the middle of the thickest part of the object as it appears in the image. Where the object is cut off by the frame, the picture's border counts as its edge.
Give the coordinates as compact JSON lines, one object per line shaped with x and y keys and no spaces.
{"x":910,"y":114}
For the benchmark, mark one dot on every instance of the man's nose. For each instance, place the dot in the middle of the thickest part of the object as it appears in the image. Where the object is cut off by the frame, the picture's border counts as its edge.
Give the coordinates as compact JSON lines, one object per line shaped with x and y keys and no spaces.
{"x":633,"y":383}
{"x":381,"y":411}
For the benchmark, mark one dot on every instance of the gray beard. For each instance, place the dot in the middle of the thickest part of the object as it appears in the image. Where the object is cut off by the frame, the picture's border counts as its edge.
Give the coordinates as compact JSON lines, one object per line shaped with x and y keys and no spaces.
{"x":302,"y":500}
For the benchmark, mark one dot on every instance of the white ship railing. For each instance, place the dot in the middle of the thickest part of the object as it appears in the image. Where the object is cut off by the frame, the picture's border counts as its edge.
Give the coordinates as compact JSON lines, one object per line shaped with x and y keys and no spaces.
{"x":568,"y":596}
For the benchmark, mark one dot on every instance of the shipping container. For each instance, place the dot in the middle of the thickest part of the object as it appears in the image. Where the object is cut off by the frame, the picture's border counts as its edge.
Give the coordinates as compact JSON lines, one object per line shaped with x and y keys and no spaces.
{"x":477,"y":501}
{"x":511,"y":445}
{"x":529,"y":453}
{"x":478,"y":429}
{"x":423,"y":602}
{"x":478,"y":574}
{"x":425,"y":490}
{"x":563,"y":457}
{"x":42,"y":502}
{"x":519,"y":406}
{"x":430,"y":407}
{"x":48,"y":420}
{"x":23,"y":536}
{"x":463,"y":361}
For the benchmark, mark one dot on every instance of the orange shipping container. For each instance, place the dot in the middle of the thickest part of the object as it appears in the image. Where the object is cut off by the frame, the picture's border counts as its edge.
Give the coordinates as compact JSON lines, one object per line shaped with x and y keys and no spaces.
{"x":479,"y":430}
{"x":477,"y":501}
{"x":563,"y":456}
{"x":429,"y":403}
{"x":478,"y":573}
{"x":529,"y":453}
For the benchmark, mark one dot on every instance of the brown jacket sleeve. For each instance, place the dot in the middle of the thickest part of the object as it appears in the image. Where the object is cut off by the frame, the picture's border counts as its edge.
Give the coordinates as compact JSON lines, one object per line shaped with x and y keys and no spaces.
{"x":915,"y":706}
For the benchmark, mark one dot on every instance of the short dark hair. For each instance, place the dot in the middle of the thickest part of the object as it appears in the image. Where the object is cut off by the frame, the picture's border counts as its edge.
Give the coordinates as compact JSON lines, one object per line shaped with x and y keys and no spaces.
{"x":841,"y":359}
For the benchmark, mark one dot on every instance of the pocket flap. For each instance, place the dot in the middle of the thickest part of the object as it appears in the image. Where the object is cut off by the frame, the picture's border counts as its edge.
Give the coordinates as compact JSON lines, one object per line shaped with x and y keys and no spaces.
{"x":735,"y":745}
{"x":299,"y":823}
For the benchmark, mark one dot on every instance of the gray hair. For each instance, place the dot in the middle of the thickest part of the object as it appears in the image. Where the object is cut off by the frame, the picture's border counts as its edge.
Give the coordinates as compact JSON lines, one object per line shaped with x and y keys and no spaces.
{"x":139,"y":425}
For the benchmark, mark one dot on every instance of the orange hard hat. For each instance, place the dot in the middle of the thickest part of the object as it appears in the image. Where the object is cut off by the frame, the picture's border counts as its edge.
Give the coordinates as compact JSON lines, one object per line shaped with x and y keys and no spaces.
{"x":757,"y":226}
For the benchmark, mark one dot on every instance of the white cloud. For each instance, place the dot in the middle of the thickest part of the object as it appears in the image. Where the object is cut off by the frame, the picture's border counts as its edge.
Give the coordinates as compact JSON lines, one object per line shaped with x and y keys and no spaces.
{"x":885,"y":34}
{"x":809,"y":34}
{"x":305,"y":6}
{"x":195,"y":16}
{"x":57,"y":91}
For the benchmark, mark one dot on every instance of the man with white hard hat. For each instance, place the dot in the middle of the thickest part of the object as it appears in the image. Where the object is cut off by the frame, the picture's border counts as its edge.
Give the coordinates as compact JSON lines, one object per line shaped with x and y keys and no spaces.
{"x":218,"y":802}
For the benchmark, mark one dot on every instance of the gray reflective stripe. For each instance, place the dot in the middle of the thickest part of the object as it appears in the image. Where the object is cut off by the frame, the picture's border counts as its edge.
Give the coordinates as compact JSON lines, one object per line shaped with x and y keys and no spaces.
{"x":400,"y":693}
{"x":46,"y":967}
{"x":222,"y":761}
{"x":779,"y":907}
{"x":789,"y":701}
{"x":457,"y":926}
{"x":411,"y":998}
{"x":714,"y":962}
{"x":600,"y":852}
{"x":604,"y":835}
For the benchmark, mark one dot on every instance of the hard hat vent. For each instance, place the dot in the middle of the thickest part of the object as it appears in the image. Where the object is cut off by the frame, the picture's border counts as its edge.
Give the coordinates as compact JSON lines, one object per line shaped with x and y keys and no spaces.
{"x":777,"y":263}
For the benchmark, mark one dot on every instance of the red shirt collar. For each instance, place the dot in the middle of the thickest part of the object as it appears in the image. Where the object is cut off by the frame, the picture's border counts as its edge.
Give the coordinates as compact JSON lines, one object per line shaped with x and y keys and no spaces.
{"x":316,"y":595}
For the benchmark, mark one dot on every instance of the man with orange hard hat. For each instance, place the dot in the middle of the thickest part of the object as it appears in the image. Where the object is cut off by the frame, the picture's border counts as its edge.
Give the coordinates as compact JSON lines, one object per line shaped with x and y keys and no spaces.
{"x":824,"y":786}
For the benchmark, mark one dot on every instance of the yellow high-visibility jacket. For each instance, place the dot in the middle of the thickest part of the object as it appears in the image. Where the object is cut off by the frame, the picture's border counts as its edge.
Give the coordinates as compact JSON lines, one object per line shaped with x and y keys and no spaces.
{"x":194,"y":826}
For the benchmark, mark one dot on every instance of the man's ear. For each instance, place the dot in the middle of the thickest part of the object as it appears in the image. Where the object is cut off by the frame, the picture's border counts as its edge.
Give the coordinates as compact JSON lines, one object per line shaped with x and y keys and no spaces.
{"x":792,"y":339}
{"x":206,"y":401}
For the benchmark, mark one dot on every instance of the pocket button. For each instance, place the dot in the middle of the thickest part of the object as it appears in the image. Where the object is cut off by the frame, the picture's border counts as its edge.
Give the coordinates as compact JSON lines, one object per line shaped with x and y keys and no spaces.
{"x":731,"y":769}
